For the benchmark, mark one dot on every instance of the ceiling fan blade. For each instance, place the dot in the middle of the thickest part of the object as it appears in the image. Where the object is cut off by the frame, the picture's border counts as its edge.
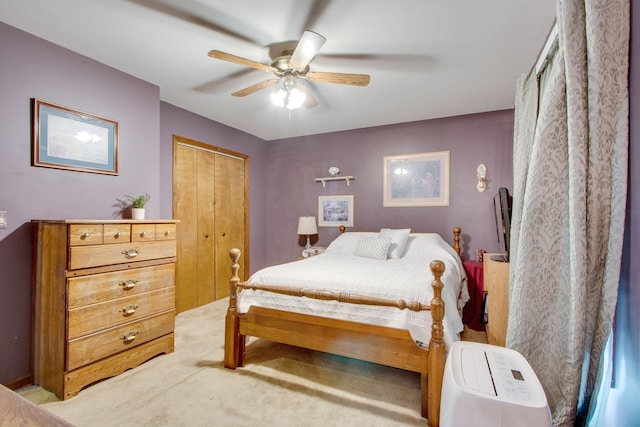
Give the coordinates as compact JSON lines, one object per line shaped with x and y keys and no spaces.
{"x":226,"y":83}
{"x":242,"y":61}
{"x":210,"y":17}
{"x":316,"y":10}
{"x":395,"y":62}
{"x":307,"y":48}
{"x":307,"y":15}
{"x":256,"y":87}
{"x":340,"y":78}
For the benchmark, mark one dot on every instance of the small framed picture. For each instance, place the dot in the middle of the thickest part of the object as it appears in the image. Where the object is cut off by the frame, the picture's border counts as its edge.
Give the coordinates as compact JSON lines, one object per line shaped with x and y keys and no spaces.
{"x":417,"y":179}
{"x":73,"y":140}
{"x":334,"y":211}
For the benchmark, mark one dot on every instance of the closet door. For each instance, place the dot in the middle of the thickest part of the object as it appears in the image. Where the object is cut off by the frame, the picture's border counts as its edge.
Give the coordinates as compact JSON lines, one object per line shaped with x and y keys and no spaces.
{"x":185,"y":202}
{"x":229,"y":213}
{"x":205,"y":238}
{"x":210,"y":199}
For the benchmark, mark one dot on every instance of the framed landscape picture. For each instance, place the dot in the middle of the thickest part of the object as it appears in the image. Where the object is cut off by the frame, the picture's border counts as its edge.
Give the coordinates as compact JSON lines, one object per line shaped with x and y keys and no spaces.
{"x":68,"y":139}
{"x":417,"y":179}
{"x":334,"y":211}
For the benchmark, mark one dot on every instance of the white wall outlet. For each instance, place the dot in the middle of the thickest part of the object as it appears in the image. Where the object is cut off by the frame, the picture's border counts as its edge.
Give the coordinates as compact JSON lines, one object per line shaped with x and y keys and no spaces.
{"x":3,"y":219}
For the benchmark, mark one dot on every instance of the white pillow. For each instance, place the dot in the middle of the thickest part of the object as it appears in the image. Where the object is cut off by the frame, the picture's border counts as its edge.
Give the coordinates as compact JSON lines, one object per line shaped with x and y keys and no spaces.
{"x":346,"y":243}
{"x":425,"y":247}
{"x":398,"y":238}
{"x":373,"y":247}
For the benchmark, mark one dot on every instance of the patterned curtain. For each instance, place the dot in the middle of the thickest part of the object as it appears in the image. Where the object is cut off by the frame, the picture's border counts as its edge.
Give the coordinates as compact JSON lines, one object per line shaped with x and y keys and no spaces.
{"x":570,"y":184}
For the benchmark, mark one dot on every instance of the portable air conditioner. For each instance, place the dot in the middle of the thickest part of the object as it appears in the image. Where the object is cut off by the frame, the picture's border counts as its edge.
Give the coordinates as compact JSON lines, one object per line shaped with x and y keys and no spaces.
{"x":486,"y":385}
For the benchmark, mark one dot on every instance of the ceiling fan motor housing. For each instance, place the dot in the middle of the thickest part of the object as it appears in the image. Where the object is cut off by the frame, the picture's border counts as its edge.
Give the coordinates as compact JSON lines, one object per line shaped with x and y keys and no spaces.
{"x":284,"y":67}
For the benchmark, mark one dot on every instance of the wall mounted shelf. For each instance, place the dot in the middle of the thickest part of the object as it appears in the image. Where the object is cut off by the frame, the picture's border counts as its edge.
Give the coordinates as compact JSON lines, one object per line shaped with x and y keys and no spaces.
{"x":335,"y":178}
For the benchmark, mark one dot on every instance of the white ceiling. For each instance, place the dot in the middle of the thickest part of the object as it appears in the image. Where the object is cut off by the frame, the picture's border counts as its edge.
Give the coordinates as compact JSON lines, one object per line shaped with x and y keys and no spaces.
{"x":427,"y":58}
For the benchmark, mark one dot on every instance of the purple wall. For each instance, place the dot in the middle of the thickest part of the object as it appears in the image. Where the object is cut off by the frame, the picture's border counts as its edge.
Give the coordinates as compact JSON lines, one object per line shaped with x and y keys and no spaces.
{"x":295,"y":163}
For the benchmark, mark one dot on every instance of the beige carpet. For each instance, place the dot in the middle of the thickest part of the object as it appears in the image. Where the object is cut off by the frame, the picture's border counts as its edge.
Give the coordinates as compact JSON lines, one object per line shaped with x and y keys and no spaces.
{"x":279,"y":386}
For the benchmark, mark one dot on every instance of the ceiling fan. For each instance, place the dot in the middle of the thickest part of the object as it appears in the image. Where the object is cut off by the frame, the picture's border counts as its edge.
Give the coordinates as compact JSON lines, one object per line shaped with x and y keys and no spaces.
{"x":289,"y":66}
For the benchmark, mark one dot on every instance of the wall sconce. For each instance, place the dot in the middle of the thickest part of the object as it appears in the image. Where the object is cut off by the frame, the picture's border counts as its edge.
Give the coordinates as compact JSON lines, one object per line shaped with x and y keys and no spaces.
{"x":482,"y":177}
{"x":307,"y":227}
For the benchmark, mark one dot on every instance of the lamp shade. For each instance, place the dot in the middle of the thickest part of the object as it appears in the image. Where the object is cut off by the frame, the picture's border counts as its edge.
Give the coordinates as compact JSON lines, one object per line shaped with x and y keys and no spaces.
{"x":307,"y":225}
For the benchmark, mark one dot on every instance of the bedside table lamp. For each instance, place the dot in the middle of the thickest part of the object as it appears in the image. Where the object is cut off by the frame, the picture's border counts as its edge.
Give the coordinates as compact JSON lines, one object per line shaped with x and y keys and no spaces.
{"x":307,"y":227}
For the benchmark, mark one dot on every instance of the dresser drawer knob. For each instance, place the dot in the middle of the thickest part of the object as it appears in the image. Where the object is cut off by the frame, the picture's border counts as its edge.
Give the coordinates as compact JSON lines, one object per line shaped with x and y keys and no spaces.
{"x":144,"y":233}
{"x":118,"y":234}
{"x":130,"y":253}
{"x":129,"y":310}
{"x":86,"y":235}
{"x":129,"y":284}
{"x":168,"y":232}
{"x":129,"y":337}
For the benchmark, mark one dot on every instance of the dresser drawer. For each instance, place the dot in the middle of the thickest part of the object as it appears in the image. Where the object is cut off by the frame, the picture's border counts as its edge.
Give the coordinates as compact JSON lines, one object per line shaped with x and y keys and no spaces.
{"x":86,"y":234}
{"x":143,"y":232}
{"x":117,"y":233}
{"x":95,"y":256}
{"x":84,"y":290}
{"x":96,"y":317}
{"x":94,"y":347}
{"x":165,"y":232}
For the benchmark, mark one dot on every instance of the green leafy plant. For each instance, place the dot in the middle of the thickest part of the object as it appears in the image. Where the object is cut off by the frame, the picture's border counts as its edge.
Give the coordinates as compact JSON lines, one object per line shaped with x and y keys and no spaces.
{"x":138,"y":202}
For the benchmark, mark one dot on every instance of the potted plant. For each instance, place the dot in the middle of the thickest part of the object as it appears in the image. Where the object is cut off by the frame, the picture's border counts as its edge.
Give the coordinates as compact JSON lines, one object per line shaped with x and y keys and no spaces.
{"x":137,"y":205}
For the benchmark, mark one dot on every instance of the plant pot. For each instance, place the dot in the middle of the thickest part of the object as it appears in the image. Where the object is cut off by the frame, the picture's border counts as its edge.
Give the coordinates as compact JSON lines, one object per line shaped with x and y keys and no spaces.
{"x":137,"y":213}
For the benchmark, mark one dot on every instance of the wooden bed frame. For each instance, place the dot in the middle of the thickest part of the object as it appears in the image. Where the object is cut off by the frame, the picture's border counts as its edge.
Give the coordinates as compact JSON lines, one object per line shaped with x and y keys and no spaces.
{"x":378,"y":344}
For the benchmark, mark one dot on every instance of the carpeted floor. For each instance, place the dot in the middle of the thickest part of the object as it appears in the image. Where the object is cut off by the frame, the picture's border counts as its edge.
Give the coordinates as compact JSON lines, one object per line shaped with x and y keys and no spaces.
{"x":279,"y":386}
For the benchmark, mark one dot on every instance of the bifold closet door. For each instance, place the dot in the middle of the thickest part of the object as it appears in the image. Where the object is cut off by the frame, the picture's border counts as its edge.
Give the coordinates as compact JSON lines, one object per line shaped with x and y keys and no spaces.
{"x":229,"y":214}
{"x":210,"y":200}
{"x":185,"y":203}
{"x":205,"y":237}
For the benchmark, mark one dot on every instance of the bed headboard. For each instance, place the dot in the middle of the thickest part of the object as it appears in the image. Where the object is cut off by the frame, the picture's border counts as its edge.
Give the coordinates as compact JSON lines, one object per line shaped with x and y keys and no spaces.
{"x":456,"y":237}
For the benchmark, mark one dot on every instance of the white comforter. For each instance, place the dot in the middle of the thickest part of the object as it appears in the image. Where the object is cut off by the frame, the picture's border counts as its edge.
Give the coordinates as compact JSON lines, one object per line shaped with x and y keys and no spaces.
{"x":408,"y":278}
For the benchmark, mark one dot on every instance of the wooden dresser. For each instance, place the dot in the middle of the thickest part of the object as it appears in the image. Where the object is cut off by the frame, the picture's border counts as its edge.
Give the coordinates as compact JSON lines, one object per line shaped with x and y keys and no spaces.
{"x":103,"y":299}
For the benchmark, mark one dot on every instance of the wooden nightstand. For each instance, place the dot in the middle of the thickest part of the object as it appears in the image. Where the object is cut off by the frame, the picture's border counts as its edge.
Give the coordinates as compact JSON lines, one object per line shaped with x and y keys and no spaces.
{"x":496,"y":284}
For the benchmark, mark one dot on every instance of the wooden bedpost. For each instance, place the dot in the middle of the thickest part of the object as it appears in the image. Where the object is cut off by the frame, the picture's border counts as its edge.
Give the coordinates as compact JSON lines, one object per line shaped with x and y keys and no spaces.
{"x":437,"y":349}
{"x":456,"y":239}
{"x":233,"y":342}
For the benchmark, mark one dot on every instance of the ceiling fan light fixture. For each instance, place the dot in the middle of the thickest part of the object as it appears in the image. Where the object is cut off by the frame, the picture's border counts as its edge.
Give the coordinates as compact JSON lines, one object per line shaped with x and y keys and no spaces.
{"x":290,"y":99}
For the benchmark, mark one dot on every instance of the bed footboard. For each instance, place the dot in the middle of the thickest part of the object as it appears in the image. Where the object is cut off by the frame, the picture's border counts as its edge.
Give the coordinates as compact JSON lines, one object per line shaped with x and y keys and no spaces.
{"x":430,"y":364}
